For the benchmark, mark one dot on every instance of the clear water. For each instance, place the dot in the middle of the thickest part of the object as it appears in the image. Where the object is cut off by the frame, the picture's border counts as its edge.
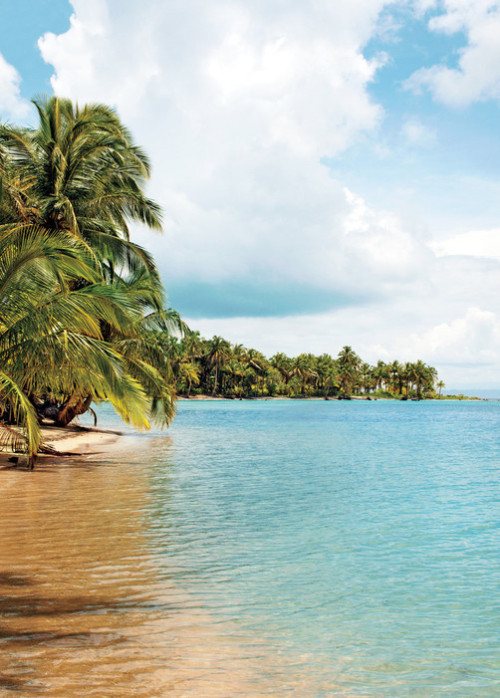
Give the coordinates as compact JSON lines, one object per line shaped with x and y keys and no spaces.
{"x":361,"y":538}
{"x":338,"y":548}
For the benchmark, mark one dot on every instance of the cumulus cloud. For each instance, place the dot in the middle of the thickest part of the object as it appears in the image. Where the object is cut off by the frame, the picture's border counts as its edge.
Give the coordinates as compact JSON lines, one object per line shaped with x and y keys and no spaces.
{"x":237,"y":108}
{"x":472,"y":339}
{"x":465,"y":347}
{"x":12,"y":105}
{"x":474,"y":243}
{"x":238,"y":105}
{"x":477,"y":76}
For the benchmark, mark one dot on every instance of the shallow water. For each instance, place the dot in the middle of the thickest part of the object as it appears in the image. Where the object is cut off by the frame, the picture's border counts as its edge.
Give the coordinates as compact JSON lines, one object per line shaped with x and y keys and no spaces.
{"x":261,"y":548}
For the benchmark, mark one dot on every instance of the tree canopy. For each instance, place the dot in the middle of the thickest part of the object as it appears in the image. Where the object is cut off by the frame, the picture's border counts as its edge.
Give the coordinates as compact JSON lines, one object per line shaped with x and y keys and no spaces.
{"x":215,"y":367}
{"x":83,"y":315}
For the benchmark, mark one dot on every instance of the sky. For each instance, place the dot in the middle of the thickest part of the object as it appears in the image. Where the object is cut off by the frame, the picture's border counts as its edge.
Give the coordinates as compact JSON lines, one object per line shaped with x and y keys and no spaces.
{"x":328,"y":169}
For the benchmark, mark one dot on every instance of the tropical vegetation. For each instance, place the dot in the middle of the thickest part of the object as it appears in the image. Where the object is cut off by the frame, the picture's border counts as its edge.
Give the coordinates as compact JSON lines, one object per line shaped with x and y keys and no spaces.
{"x":217,"y":367}
{"x":82,"y":307}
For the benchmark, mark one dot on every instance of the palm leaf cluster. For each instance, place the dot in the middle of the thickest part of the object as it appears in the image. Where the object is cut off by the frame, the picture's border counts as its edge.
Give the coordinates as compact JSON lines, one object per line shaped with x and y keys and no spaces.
{"x":82,"y":314}
{"x":217,"y":367}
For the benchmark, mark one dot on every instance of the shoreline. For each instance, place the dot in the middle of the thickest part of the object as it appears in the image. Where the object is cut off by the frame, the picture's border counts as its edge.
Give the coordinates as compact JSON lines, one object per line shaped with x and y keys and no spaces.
{"x":78,"y":440}
{"x":66,"y":442}
{"x":367,"y":398}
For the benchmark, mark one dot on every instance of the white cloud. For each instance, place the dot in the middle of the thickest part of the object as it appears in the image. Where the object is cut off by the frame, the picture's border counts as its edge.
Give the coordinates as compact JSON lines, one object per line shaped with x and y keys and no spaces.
{"x":422,"y":6}
{"x":471,"y":339}
{"x":475,"y":243}
{"x":465,"y":348}
{"x":237,"y":104}
{"x":416,"y":133}
{"x":12,"y":105}
{"x":477,"y":76}
{"x":296,"y":77}
{"x":237,"y":107}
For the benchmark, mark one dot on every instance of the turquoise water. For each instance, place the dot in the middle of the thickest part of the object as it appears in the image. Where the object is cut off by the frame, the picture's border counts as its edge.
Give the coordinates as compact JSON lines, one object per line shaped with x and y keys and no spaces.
{"x":357,"y":542}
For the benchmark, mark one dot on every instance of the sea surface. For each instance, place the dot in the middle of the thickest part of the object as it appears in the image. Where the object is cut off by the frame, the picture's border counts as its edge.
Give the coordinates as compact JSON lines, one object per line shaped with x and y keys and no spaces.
{"x":261,"y":548}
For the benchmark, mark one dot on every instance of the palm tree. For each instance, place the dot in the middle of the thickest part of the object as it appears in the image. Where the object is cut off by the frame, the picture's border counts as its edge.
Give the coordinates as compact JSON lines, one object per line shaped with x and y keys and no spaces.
{"x":395,"y":372}
{"x":284,"y":365}
{"x":380,"y":374}
{"x":367,"y":377}
{"x":348,"y":363}
{"x":304,"y":369}
{"x":219,"y":351}
{"x":50,"y":333}
{"x":326,"y":369}
{"x":83,"y":315}
{"x":81,"y":172}
{"x":234,"y":372}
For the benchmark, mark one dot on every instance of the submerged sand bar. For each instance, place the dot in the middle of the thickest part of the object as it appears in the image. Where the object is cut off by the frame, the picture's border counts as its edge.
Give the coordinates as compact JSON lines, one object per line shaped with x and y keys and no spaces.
{"x":87,"y":606}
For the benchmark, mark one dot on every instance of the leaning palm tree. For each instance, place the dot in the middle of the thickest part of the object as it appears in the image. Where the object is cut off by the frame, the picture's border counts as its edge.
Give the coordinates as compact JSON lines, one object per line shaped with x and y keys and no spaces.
{"x":80,"y":172}
{"x":50,"y":333}
{"x":83,"y":315}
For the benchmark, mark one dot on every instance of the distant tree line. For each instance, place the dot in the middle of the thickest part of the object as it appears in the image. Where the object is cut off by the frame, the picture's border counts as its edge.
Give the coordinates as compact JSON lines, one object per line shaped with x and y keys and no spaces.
{"x":217,"y":367}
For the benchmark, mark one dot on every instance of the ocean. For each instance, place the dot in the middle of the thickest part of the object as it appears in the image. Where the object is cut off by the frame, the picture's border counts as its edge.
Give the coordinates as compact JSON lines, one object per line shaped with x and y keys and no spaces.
{"x":308,"y":548}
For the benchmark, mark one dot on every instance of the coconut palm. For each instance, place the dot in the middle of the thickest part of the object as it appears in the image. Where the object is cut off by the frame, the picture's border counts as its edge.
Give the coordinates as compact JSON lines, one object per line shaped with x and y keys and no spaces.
{"x":348,"y":363}
{"x":367,"y":377}
{"x":423,"y":378}
{"x":326,"y":370}
{"x":305,"y":371}
{"x":284,"y":365}
{"x":83,"y":315}
{"x":380,"y":374}
{"x":51,"y":342}
{"x":219,"y":350}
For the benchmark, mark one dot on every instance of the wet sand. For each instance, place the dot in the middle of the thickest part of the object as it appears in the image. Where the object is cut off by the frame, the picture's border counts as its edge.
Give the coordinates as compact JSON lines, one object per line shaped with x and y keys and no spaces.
{"x":87,"y":606}
{"x":73,"y":440}
{"x":82,"y":608}
{"x":79,"y":439}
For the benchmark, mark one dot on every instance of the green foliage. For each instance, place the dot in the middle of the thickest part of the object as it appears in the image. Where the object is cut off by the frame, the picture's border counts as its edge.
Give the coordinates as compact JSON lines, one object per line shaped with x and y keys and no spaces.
{"x":83,"y":314}
{"x":215,"y":367}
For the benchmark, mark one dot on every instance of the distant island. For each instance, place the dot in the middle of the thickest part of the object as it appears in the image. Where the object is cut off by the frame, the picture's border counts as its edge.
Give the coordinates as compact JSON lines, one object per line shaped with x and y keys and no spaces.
{"x":215,"y":367}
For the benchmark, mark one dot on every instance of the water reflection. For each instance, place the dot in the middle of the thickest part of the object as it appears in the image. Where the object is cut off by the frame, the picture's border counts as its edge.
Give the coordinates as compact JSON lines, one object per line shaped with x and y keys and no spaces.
{"x":83,"y":608}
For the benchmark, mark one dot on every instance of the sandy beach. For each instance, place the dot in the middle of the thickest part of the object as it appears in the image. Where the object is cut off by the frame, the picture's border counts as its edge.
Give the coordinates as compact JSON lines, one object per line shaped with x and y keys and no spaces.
{"x":69,"y":441}
{"x":76,"y":439}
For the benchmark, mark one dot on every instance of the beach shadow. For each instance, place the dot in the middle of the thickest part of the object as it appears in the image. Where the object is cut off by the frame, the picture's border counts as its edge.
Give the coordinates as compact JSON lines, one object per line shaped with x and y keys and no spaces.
{"x":11,"y":579}
{"x":34,"y":606}
{"x":76,"y":640}
{"x":11,"y":683}
{"x":39,"y":613}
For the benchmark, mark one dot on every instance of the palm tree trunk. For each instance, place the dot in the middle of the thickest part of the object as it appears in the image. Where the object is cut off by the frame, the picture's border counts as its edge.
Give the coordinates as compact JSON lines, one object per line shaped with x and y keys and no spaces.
{"x":71,"y":409}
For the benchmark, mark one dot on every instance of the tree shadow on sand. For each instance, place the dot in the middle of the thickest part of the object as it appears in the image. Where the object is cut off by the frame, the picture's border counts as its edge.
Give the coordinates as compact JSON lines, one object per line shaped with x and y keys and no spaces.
{"x":17,"y":602}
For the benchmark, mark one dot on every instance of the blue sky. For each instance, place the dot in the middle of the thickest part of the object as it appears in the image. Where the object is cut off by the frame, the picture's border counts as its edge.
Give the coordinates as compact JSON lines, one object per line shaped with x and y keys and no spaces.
{"x":328,"y":170}
{"x":23,"y":23}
